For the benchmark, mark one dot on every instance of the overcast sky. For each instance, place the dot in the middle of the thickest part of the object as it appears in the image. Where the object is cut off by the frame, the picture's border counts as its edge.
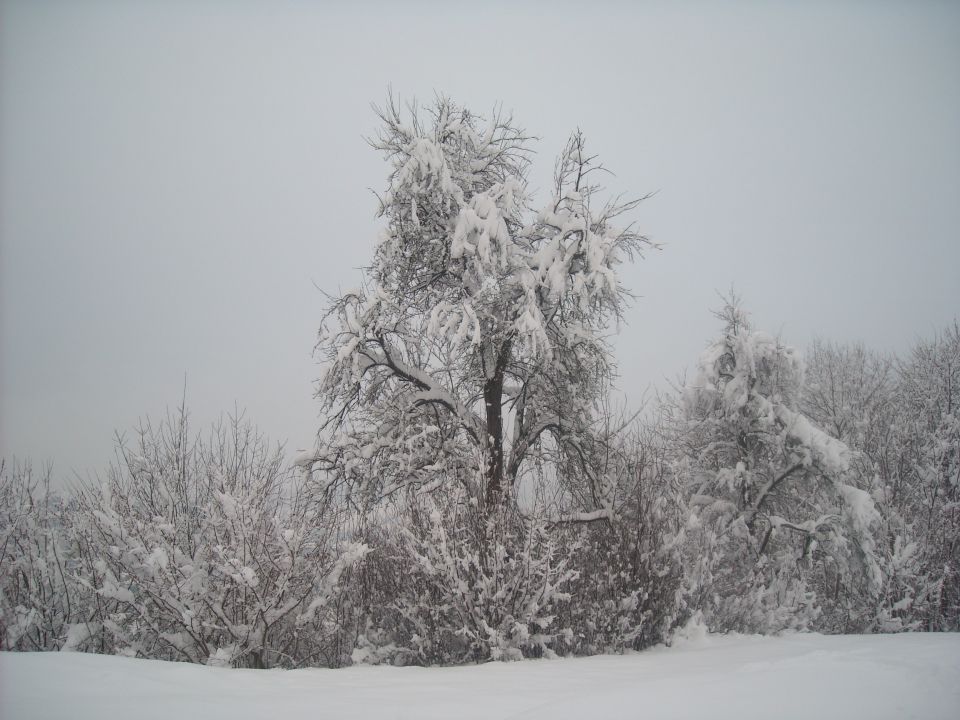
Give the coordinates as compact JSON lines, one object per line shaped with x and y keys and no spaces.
{"x":177,"y":180}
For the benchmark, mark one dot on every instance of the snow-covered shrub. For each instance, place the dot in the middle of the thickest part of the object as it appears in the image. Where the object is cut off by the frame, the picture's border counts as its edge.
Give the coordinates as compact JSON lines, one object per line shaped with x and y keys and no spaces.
{"x":207,"y":551}
{"x":619,"y":567}
{"x":456,"y":587}
{"x":627,"y":591}
{"x":38,"y":599}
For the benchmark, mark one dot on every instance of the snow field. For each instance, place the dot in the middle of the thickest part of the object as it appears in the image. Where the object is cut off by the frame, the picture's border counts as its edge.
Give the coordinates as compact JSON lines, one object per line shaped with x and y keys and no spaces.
{"x":796,"y":676}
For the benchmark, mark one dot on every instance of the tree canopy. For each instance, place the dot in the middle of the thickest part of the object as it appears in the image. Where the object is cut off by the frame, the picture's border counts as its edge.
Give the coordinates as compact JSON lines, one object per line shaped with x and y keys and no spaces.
{"x":476,"y":349}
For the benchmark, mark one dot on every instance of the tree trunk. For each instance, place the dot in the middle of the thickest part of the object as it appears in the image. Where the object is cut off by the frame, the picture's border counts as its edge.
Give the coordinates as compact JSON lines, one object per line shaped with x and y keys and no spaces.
{"x":493,"y":407}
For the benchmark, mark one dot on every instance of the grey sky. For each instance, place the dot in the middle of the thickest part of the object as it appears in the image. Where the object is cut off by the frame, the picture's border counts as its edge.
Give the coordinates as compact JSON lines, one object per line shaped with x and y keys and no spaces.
{"x":176,"y":178}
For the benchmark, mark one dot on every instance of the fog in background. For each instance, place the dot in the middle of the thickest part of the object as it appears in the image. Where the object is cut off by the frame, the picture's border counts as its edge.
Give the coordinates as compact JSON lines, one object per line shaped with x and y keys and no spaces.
{"x":179,"y":181}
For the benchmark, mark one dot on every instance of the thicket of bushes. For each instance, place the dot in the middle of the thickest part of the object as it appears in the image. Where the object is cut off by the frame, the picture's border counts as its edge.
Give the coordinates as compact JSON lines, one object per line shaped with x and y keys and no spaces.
{"x":758,"y":496}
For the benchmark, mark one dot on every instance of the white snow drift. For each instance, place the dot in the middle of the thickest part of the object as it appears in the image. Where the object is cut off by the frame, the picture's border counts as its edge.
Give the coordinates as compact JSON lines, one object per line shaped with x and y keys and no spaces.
{"x":796,"y":676}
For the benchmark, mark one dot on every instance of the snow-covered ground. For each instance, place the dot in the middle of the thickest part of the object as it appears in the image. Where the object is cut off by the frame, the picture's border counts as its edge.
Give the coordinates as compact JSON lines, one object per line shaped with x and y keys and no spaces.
{"x":798,"y":676}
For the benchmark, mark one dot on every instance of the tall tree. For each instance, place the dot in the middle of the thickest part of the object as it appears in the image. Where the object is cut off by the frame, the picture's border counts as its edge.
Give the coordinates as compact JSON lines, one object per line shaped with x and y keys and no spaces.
{"x":475,"y":351}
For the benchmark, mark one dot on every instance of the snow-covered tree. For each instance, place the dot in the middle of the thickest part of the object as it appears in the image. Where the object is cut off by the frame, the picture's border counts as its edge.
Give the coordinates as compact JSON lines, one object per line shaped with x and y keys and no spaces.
{"x":925,"y":487}
{"x":466,"y":384}
{"x":899,"y":417}
{"x":777,"y":530}
{"x":850,"y":391}
{"x":475,"y":352}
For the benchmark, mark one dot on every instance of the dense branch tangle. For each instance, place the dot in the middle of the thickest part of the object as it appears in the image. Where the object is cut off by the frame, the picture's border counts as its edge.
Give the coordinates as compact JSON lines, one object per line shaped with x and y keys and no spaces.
{"x":480,"y":329}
